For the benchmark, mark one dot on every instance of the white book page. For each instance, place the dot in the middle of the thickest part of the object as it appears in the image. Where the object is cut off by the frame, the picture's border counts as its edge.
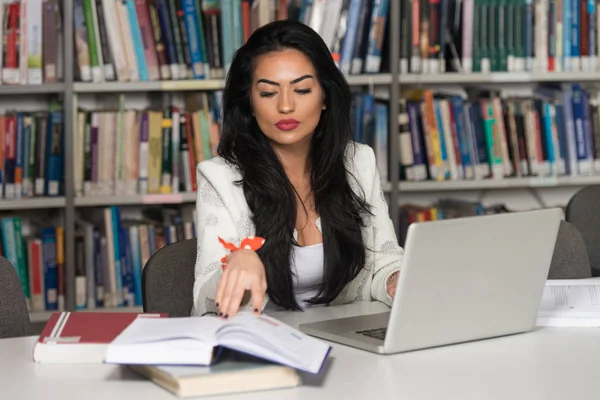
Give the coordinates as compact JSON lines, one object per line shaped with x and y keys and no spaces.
{"x":165,"y":341}
{"x":281,"y":343}
{"x":144,"y":330}
{"x":570,"y":302}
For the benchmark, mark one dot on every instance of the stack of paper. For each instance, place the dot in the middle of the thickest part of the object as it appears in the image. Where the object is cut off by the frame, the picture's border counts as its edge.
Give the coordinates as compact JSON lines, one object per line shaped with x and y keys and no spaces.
{"x":570,"y":303}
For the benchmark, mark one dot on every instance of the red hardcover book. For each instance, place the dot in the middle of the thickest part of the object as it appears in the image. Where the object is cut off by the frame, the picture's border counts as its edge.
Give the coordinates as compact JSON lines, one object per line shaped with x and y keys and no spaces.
{"x":82,"y":337}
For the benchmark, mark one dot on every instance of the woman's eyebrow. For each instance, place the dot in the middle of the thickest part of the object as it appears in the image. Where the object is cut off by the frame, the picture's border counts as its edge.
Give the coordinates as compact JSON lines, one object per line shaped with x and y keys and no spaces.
{"x":303,"y":77}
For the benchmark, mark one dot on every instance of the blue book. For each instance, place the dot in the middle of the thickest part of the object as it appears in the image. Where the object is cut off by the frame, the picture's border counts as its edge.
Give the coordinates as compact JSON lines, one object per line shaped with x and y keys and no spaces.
{"x":575,"y":27}
{"x":54,"y":153}
{"x":379,"y":18}
{"x":50,"y":268}
{"x":137,"y":40}
{"x":350,"y":37}
{"x":115,"y":225}
{"x":566,"y":61}
{"x":462,"y":135}
{"x":578,"y":118}
{"x":191,"y":28}
{"x":136,"y":263}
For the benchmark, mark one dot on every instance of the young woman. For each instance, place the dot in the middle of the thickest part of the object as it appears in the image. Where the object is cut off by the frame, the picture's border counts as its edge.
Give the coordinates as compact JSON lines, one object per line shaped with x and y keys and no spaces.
{"x":289,"y":173}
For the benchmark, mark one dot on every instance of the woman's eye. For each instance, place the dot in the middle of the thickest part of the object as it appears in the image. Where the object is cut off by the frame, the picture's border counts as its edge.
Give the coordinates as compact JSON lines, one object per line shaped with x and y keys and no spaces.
{"x":267,"y":94}
{"x":303,"y":91}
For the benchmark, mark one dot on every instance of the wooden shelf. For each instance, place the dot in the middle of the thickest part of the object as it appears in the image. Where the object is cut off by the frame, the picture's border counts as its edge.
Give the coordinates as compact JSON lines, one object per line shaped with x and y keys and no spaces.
{"x":32,"y":203}
{"x":102,"y":201}
{"x":198,"y":84}
{"x":506,"y":183}
{"x":45,"y":88}
{"x":497,"y":78}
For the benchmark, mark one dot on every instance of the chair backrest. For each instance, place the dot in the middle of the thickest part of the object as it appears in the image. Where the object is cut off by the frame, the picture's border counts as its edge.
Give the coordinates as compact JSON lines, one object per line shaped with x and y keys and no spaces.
{"x":14,"y":316}
{"x":570,"y":259}
{"x":584,"y":213}
{"x":168,"y":279}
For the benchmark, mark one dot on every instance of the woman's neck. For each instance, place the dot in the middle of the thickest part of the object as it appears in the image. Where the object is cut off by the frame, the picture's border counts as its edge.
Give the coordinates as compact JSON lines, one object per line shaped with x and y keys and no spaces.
{"x":294,"y":161}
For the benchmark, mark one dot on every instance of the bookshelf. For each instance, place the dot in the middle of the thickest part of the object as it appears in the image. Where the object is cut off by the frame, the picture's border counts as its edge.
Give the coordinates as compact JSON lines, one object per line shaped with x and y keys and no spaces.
{"x":391,"y":82}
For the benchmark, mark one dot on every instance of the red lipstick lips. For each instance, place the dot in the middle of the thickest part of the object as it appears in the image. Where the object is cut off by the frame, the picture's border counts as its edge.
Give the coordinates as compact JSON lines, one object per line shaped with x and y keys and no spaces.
{"x":287,"y":124}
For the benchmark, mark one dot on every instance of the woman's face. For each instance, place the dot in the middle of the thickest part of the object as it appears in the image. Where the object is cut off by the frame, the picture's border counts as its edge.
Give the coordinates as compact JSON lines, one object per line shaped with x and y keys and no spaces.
{"x":286,"y":98}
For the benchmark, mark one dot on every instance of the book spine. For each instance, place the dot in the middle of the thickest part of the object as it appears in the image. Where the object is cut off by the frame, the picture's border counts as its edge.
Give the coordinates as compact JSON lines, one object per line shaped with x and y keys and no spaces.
{"x":19,"y":156}
{"x":116,"y":40}
{"x":34,"y":42}
{"x":27,"y":137}
{"x":81,"y":43}
{"x":10,"y":156}
{"x":159,"y":42}
{"x":48,"y":238}
{"x":176,"y":35}
{"x":54,"y":154}
{"x":191,"y":24}
{"x":350,"y":36}
{"x":137,"y":40}
{"x":40,"y":154}
{"x":145,"y":26}
{"x":166,"y":172}
{"x":92,"y":41}
{"x":187,"y":58}
{"x":165,"y":28}
{"x":107,"y":57}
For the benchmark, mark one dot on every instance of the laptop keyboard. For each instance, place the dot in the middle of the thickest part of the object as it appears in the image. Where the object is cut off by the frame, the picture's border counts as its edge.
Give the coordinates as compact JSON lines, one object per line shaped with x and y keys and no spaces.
{"x":377,"y":333}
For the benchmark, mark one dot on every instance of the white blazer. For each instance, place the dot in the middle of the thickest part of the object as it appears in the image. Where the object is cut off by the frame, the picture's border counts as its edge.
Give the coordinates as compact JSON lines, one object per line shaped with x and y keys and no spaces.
{"x":222,"y":211}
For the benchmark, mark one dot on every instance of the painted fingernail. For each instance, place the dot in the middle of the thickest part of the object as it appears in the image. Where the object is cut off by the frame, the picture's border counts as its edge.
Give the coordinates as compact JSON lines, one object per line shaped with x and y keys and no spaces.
{"x":226,"y":316}
{"x":220,"y":314}
{"x":217,"y":304}
{"x":256,"y":310}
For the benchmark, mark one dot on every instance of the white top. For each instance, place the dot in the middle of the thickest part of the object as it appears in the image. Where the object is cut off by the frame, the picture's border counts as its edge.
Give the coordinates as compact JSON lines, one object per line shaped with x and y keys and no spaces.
{"x":307,"y":263}
{"x":548,"y":364}
{"x":222,"y":211}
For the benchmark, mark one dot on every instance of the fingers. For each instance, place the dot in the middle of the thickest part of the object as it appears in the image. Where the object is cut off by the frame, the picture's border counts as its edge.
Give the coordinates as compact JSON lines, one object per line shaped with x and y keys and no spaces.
{"x":221,"y":288}
{"x":258,"y":295}
{"x":236,"y":296}
{"x":228,"y":292}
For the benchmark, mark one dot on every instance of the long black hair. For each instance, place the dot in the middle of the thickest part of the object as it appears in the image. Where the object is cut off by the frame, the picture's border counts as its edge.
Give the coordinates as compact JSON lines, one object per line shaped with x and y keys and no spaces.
{"x":268,"y":191}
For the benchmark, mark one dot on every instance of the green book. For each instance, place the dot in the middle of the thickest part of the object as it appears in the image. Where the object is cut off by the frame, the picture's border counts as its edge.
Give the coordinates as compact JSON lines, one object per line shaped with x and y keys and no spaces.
{"x":21,"y":260}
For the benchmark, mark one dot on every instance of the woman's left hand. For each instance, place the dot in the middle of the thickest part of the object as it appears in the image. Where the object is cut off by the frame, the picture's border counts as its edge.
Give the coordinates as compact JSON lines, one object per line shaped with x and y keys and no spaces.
{"x":391,"y":282}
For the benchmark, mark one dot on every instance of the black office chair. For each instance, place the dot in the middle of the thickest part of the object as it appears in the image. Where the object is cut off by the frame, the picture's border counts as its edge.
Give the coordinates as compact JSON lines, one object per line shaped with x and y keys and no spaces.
{"x":168,"y":280}
{"x":570,"y":259}
{"x":583,"y":212}
{"x":14,"y":316}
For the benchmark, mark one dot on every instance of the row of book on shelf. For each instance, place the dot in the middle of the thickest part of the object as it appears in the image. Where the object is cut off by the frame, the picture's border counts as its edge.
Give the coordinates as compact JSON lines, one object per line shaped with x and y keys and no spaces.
{"x":32,"y":153}
{"x":153,"y":151}
{"x":553,"y":132}
{"x":32,"y":42}
{"x":111,"y":250}
{"x":505,"y":35}
{"x":128,"y":152}
{"x":141,"y":40}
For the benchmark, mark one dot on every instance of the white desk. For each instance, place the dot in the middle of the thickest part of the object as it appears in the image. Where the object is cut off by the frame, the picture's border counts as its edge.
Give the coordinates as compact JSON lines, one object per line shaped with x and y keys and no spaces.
{"x":544,"y":364}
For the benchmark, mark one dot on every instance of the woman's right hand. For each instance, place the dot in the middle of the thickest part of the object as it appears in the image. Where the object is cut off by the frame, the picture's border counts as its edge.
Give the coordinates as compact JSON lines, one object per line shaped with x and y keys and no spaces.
{"x":244,"y":271}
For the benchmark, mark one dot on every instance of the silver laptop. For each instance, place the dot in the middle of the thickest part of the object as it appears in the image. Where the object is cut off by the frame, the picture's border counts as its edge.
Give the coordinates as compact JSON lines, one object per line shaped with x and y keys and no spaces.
{"x":461,"y":280}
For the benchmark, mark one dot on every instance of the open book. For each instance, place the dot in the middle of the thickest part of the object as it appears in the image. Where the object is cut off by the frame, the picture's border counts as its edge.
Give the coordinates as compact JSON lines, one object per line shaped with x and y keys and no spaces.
{"x":196,"y":341}
{"x":570,"y":303}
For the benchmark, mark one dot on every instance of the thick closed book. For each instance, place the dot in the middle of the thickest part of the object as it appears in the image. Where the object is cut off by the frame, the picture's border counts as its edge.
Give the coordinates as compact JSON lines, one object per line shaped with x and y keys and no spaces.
{"x":197,"y":341}
{"x":232,"y":373}
{"x":82,"y":337}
